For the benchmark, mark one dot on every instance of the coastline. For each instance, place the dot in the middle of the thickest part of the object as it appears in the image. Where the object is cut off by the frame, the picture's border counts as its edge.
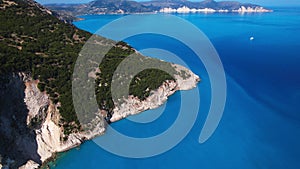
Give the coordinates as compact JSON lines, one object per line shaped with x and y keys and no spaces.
{"x":167,"y":89}
{"x":247,"y":110}
{"x":133,"y":105}
{"x":183,"y":10}
{"x":49,"y":135}
{"x":242,"y":9}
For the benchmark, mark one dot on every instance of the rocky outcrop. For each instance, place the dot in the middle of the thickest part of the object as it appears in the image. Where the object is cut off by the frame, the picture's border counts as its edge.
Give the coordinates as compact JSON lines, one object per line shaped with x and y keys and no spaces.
{"x":37,"y":103}
{"x":29,"y":125}
{"x":18,"y":141}
{"x":30,"y":165}
{"x":6,"y":4}
{"x":37,"y":134}
{"x":185,"y":80}
{"x":49,"y":134}
{"x":242,"y":9}
{"x":133,"y":105}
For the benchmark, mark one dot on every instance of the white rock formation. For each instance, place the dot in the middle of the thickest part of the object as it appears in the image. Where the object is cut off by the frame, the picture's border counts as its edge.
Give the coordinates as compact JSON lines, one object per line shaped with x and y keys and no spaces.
{"x":133,"y":105}
{"x":185,"y":9}
{"x":6,"y":3}
{"x":30,"y":165}
{"x":34,"y":97}
{"x":49,"y":134}
{"x":187,"y":81}
{"x":242,"y":9}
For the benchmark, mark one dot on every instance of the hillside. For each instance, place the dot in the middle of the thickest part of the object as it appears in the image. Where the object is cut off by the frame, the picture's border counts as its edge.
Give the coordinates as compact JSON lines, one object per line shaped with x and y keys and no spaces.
{"x":38,"y":52}
{"x":48,"y":51}
{"x":154,"y":6}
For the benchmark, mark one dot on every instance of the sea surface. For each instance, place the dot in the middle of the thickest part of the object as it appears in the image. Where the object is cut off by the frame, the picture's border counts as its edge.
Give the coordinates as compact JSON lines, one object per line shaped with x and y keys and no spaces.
{"x":260,"y":128}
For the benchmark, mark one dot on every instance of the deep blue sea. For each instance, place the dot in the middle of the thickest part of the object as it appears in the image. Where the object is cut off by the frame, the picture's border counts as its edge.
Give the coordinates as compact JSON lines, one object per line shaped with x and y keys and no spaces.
{"x":260,"y":128}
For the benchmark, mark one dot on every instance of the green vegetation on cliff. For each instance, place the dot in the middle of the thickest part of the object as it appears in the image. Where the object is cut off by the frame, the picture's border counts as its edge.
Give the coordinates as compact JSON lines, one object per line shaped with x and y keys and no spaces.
{"x":34,"y":41}
{"x":38,"y":43}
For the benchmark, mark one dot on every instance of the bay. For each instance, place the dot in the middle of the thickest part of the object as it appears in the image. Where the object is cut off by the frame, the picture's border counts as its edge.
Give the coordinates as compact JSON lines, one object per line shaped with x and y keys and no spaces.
{"x":260,"y":127}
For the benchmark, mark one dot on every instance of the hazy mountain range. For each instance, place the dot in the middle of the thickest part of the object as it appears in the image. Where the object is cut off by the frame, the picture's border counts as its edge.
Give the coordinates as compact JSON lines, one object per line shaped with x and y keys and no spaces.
{"x":128,"y":6}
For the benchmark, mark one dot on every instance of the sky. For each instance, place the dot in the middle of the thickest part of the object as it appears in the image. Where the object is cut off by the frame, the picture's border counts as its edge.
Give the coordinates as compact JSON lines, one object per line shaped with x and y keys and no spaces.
{"x":259,"y":2}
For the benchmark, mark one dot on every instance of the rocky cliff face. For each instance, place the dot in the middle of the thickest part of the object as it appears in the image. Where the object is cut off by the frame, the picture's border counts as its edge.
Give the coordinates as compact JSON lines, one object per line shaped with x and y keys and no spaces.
{"x":29,"y":121}
{"x":158,"y":97}
{"x":18,"y":141}
{"x":43,"y":116}
{"x":29,"y":125}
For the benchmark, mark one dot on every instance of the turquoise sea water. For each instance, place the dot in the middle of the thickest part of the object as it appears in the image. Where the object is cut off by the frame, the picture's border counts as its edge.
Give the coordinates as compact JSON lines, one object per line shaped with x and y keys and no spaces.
{"x":260,"y":127}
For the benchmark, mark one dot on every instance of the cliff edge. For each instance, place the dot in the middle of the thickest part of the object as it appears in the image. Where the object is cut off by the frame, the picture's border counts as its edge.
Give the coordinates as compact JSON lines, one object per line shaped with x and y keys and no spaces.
{"x":39,"y":136}
{"x":37,"y":117}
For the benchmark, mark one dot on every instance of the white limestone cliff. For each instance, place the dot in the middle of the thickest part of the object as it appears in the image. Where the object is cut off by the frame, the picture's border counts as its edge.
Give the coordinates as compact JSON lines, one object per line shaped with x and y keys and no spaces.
{"x":30,"y":165}
{"x":242,"y":9}
{"x":49,"y":134}
{"x":158,"y":97}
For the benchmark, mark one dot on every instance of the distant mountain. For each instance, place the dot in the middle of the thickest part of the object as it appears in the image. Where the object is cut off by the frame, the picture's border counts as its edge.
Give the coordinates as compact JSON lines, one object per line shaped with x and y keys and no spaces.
{"x":128,"y":6}
{"x":100,"y":7}
{"x":113,"y":6}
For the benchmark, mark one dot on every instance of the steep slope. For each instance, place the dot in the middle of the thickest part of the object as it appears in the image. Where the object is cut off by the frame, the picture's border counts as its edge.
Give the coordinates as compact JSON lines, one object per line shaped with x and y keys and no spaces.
{"x":34,"y":41}
{"x":35,"y":48}
{"x":38,"y":52}
{"x":18,"y":141}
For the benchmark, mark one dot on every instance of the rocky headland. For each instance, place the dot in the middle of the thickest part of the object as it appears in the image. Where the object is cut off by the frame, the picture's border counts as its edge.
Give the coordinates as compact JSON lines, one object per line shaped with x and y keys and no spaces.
{"x":36,"y":116}
{"x":39,"y":135}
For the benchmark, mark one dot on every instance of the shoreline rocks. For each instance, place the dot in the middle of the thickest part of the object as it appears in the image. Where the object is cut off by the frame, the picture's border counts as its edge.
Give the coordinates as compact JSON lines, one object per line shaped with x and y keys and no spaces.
{"x":47,"y":132}
{"x":242,"y":9}
{"x":158,"y":97}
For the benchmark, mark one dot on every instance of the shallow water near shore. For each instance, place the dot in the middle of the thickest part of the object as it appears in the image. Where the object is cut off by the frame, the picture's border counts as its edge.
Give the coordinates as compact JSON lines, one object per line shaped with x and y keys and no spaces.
{"x":260,"y":127}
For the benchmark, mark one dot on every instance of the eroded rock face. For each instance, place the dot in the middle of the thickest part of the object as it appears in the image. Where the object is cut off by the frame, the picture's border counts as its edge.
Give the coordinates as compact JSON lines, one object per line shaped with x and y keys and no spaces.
{"x":29,"y":125}
{"x":18,"y":142}
{"x":29,"y":128}
{"x":37,"y":104}
{"x":185,"y":80}
{"x":43,"y":117}
{"x":29,"y":122}
{"x":30,"y":165}
{"x":133,"y":105}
